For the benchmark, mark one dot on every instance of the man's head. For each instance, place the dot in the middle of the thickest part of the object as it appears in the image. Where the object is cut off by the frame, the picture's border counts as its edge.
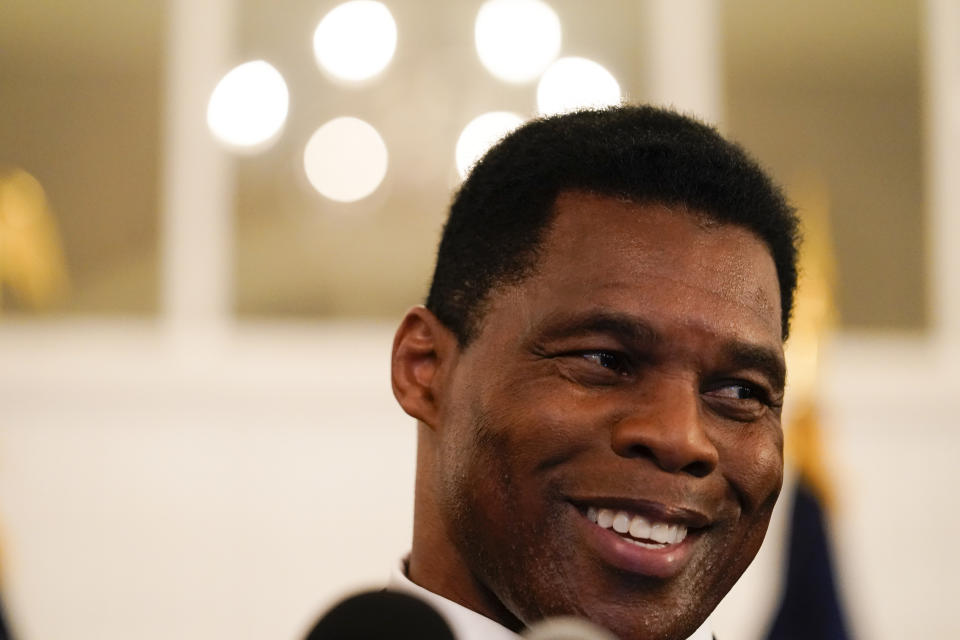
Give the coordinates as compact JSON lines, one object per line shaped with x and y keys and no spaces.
{"x":603,"y":342}
{"x":639,"y":153}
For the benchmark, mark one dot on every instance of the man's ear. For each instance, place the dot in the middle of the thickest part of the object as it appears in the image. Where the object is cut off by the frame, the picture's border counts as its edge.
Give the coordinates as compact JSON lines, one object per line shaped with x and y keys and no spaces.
{"x":424,"y":351}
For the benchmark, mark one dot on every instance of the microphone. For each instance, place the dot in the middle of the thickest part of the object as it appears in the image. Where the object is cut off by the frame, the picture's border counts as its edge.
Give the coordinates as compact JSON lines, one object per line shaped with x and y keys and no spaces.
{"x":375,"y":615}
{"x":567,"y":628}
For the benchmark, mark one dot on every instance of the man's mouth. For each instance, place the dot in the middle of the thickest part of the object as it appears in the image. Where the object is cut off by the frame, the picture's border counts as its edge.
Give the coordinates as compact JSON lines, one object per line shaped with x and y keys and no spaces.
{"x":640,"y":536}
{"x":638,"y":529}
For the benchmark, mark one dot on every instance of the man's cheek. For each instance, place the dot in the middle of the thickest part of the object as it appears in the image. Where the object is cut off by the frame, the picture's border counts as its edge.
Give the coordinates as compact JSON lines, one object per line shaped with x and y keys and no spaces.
{"x":756,"y":474}
{"x":767,"y":469}
{"x":760,"y":480}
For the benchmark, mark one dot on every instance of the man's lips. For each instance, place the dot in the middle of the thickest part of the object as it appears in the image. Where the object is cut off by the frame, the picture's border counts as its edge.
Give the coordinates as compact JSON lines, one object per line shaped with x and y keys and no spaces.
{"x":640,"y":537}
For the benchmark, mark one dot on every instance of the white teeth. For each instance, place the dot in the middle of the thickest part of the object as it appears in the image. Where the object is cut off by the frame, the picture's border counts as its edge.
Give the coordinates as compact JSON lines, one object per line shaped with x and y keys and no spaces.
{"x":605,"y":518}
{"x":621,"y":522}
{"x":640,"y":527}
{"x":659,"y":533}
{"x":646,"y":545}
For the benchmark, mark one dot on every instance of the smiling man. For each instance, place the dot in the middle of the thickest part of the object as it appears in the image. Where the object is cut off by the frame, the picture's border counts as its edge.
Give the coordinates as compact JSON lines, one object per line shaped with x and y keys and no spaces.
{"x":597,"y":378}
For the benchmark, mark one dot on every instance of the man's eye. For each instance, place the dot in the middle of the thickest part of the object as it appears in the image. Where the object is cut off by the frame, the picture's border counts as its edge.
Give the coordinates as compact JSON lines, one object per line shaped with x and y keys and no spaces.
{"x":735,"y":392}
{"x":607,"y":360}
{"x":739,"y":400}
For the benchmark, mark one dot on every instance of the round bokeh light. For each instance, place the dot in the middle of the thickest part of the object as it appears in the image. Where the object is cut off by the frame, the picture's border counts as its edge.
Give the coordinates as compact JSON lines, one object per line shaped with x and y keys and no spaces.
{"x":355,"y":40}
{"x":345,"y":159}
{"x":480,"y":134}
{"x":517,"y":39}
{"x":576,"y":83}
{"x":248,"y":107}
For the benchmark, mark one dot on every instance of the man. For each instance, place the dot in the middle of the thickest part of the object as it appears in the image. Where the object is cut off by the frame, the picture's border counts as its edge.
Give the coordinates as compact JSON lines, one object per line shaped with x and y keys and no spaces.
{"x":597,"y":378}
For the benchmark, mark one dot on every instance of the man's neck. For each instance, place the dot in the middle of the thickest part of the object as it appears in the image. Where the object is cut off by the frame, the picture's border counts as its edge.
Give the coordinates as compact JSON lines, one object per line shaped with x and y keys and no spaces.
{"x":452,"y":579}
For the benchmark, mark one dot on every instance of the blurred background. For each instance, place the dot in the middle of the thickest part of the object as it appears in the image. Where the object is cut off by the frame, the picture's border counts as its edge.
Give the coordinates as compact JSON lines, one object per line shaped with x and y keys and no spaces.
{"x":213,"y":215}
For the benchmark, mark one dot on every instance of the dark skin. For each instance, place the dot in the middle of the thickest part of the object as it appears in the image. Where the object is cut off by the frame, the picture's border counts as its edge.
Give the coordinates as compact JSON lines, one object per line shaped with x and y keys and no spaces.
{"x":639,"y":367}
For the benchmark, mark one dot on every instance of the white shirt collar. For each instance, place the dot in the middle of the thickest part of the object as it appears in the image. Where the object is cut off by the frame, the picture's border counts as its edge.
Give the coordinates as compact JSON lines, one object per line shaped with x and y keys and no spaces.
{"x":468,"y":624}
{"x":465,"y":623}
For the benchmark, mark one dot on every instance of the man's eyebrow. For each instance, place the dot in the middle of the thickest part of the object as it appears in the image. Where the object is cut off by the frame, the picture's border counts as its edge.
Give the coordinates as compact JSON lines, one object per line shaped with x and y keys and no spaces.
{"x":626,"y":327}
{"x":739,"y":354}
{"x":768,"y":361}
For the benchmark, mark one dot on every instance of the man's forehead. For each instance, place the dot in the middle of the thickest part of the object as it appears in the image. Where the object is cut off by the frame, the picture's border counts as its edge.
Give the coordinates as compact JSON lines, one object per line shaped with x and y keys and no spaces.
{"x":652,"y":228}
{"x":605,"y":250}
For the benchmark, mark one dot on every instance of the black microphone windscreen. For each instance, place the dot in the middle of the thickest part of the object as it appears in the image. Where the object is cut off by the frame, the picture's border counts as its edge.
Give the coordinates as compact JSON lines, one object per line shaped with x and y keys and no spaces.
{"x":381,"y":614}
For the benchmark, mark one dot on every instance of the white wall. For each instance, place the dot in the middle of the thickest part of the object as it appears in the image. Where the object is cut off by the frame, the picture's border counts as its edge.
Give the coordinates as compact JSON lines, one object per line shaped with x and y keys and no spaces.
{"x":146,"y":497}
{"x":148,"y":494}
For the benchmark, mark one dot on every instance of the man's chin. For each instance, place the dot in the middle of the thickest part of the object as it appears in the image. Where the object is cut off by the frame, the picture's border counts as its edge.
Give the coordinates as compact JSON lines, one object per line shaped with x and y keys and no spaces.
{"x":655,"y":624}
{"x":628,"y":606}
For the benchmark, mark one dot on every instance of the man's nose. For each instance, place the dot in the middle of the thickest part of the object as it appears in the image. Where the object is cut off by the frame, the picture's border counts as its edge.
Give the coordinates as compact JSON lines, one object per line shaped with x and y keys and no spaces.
{"x":665,"y":425}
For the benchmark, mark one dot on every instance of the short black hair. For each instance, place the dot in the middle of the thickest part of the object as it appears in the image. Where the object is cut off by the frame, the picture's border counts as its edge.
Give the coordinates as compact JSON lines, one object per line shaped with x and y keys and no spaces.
{"x":641,"y":153}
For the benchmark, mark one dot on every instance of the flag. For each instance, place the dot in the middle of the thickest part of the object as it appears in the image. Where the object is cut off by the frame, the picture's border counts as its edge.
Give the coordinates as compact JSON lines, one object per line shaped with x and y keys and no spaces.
{"x":811,"y":605}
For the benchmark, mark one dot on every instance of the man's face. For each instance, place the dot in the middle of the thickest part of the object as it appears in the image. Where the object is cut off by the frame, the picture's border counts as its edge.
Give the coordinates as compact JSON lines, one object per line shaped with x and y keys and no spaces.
{"x":637,"y":377}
